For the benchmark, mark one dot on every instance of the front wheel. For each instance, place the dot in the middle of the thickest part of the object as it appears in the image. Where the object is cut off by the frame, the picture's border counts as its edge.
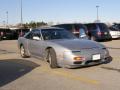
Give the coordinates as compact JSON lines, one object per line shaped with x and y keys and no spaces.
{"x":52,"y":58}
{"x":22,"y":52}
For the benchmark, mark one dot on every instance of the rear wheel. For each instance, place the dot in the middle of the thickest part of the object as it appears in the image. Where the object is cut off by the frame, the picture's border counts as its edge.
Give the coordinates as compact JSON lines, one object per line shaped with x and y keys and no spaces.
{"x":52,"y":58}
{"x":22,"y":52}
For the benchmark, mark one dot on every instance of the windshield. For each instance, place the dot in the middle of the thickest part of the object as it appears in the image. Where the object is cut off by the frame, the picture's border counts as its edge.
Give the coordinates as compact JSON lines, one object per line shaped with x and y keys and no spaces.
{"x":50,"y":34}
{"x":103,"y":27}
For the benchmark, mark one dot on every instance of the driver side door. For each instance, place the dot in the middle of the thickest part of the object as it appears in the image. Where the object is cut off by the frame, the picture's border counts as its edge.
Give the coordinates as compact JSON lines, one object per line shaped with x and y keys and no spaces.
{"x":35,"y":44}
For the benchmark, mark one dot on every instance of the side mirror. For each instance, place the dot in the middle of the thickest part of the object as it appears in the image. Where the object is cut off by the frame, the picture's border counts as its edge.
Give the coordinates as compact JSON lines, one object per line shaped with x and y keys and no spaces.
{"x":36,"y":38}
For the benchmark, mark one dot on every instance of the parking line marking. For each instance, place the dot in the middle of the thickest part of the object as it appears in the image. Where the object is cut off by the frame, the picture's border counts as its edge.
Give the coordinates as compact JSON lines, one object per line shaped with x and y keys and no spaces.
{"x":83,"y":79}
{"x":71,"y":76}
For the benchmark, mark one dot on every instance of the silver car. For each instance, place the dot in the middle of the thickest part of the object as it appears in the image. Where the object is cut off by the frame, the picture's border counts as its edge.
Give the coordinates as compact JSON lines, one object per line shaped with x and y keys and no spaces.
{"x":61,"y":48}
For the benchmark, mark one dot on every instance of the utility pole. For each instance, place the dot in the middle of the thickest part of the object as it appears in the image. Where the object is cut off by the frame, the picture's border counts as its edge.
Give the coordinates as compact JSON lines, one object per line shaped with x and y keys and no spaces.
{"x":21,"y":19}
{"x":97,"y":13}
{"x":4,"y":24}
{"x":7,"y":20}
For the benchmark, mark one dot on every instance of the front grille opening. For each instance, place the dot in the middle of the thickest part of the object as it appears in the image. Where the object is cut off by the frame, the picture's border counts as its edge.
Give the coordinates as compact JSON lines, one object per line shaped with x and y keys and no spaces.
{"x":78,"y":62}
{"x":93,"y":62}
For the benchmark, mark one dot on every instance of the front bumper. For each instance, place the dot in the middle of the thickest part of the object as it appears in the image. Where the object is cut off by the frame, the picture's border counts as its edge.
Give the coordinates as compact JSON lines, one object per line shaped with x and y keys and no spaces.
{"x":102,"y":38}
{"x":115,"y":36}
{"x":69,"y":62}
{"x":89,"y":63}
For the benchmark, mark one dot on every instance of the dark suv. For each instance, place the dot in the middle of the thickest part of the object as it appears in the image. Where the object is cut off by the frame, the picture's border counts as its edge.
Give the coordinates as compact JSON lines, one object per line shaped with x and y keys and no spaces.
{"x":77,"y":29}
{"x":98,"y":31}
{"x":19,"y":32}
{"x":6,"y":34}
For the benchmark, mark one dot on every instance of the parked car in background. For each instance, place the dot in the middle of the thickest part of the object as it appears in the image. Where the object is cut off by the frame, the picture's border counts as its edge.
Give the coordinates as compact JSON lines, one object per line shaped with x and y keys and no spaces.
{"x":79,"y":30}
{"x":116,"y":26}
{"x":6,"y":34}
{"x":115,"y":32}
{"x":61,"y":48}
{"x":19,"y":32}
{"x":98,"y":31}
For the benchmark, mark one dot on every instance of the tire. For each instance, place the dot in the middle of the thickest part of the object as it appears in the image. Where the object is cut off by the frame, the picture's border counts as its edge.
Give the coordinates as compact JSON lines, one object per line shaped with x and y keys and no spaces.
{"x":0,"y":38}
{"x":22,"y":52}
{"x":52,"y":58}
{"x":93,"y":38}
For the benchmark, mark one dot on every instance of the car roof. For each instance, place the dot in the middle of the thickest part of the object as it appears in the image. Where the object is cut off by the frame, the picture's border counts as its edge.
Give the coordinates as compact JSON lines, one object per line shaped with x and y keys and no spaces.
{"x":94,"y":23}
{"x":69,"y":24}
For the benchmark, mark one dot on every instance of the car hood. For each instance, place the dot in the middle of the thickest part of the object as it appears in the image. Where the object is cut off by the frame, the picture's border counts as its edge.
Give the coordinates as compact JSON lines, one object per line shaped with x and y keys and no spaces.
{"x":77,"y":44}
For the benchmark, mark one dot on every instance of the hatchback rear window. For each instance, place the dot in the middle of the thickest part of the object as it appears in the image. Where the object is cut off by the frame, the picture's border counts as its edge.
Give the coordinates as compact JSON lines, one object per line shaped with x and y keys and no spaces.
{"x":102,"y":27}
{"x":91,"y":27}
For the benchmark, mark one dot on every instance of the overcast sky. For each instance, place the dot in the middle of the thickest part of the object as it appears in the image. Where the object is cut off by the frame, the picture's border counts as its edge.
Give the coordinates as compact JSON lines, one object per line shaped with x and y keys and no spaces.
{"x":60,"y":10}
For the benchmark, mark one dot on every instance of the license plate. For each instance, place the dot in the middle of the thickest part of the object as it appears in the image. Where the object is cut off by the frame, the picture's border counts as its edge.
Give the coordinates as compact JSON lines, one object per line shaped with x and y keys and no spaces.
{"x":96,"y":57}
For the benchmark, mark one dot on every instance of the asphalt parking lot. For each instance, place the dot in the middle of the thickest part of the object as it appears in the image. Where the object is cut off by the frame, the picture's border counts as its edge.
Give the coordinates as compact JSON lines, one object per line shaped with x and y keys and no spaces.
{"x":17,"y":73}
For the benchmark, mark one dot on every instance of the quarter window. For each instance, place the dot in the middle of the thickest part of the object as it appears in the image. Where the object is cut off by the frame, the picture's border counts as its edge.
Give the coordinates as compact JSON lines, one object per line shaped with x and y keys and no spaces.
{"x":36,"y":33}
{"x":32,"y":34}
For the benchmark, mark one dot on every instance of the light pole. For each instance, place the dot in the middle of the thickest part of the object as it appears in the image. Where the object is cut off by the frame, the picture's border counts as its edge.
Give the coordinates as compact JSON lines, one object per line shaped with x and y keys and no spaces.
{"x":21,"y":18}
{"x":7,"y":19}
{"x":97,"y":13}
{"x":4,"y":24}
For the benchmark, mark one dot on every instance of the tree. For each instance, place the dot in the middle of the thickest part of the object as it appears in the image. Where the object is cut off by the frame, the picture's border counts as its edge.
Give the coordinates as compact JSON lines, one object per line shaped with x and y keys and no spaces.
{"x":33,"y":24}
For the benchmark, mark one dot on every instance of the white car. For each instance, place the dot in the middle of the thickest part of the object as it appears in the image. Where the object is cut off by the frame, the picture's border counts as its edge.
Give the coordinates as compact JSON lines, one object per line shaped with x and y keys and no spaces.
{"x":115,"y":33}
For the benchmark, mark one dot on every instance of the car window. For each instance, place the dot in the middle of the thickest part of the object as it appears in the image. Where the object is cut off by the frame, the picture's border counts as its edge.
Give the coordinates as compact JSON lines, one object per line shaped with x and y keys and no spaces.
{"x":33,"y":33}
{"x":116,"y":26}
{"x":91,"y":27}
{"x":103,"y":27}
{"x":74,"y":28}
{"x":50,"y":34}
{"x":28,"y":35}
{"x":68,"y":27}
{"x":36,"y":33}
{"x":112,"y":29}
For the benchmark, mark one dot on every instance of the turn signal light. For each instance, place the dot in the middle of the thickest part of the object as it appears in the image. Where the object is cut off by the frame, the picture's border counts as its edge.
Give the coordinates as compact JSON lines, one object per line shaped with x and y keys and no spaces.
{"x":99,"y":33}
{"x":79,"y":58}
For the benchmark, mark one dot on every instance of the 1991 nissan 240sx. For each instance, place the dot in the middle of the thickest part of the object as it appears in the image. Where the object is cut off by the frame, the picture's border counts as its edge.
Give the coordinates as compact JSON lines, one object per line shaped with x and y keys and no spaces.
{"x":61,"y":48}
